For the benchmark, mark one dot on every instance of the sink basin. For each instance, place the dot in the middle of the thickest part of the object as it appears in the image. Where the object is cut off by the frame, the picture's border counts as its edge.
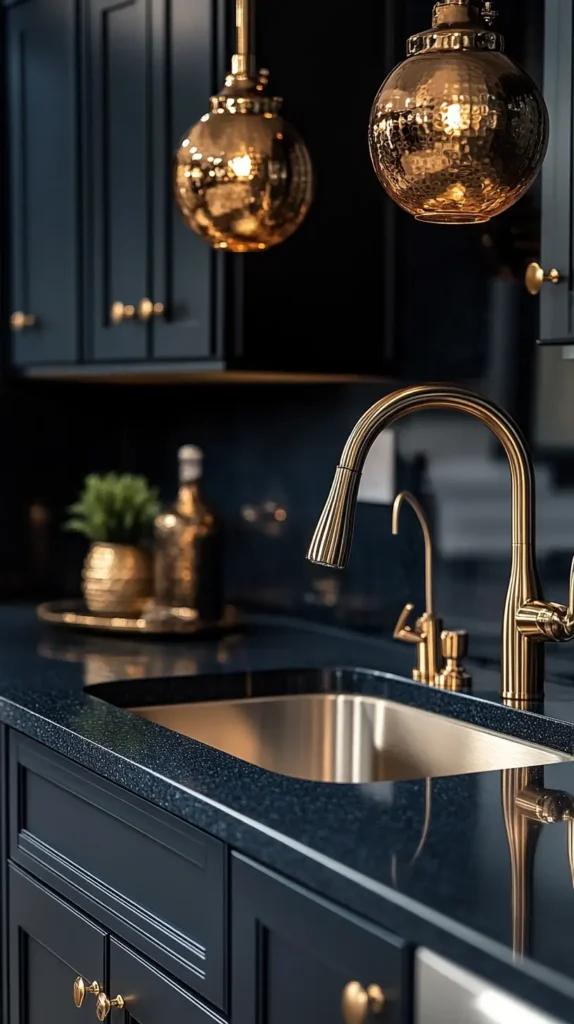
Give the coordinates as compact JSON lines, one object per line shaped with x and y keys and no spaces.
{"x":346,"y":737}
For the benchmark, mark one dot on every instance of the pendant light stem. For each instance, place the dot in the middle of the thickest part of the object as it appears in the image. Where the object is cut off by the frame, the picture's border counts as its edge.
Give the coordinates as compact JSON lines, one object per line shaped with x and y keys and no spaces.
{"x":243,"y":60}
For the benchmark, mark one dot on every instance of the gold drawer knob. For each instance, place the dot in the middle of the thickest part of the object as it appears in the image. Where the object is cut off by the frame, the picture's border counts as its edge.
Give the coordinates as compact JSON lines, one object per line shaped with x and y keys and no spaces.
{"x":19,"y":321}
{"x":147,"y":309}
{"x":119,"y":312}
{"x":535,"y":278}
{"x":104,"y":1005}
{"x":80,"y":990}
{"x":358,"y":1003}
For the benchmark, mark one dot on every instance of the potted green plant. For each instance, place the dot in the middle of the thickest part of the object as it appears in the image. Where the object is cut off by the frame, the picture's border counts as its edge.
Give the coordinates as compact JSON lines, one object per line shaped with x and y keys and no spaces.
{"x":116,"y":513}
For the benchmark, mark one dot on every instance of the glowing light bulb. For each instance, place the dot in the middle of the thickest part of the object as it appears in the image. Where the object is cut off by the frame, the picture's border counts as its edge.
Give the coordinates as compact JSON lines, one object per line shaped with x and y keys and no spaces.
{"x":452,"y":120}
{"x":241,"y":166}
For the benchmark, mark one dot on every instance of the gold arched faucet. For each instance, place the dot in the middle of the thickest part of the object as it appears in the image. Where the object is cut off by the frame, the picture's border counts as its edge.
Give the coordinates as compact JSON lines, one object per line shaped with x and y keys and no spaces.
{"x":528,"y":620}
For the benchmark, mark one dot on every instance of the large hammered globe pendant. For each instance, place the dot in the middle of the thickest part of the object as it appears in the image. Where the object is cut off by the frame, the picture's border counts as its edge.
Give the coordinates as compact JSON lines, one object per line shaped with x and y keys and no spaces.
{"x":458,"y":131}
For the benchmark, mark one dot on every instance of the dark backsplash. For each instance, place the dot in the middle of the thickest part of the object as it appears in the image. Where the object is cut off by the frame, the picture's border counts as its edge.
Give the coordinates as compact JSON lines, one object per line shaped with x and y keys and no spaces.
{"x":263,"y":442}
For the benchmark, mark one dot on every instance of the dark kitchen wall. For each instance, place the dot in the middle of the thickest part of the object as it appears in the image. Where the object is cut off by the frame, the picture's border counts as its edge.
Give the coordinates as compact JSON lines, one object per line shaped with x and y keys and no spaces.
{"x":262,"y":443}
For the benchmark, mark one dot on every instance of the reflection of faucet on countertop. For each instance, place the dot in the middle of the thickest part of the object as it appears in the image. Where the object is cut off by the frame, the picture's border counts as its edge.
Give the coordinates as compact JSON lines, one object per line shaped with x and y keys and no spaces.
{"x":528,"y":621}
{"x":527,"y":806}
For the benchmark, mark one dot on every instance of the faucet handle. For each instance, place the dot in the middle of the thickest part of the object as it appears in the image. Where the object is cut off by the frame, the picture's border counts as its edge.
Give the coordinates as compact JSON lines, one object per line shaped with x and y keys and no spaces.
{"x":548,"y":620}
{"x":405,"y":632}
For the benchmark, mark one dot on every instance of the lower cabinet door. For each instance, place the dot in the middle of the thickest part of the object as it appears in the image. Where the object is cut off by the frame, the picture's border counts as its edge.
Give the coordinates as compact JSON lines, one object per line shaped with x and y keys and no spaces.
{"x":51,"y":946}
{"x":297,"y":959}
{"x":141,"y":994}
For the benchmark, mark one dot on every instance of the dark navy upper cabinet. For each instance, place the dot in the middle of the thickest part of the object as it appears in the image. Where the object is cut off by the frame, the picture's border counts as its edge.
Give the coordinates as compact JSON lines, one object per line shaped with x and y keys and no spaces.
{"x":297,"y":958}
{"x":557,"y":300}
{"x":148,"y":76}
{"x":42,"y":66}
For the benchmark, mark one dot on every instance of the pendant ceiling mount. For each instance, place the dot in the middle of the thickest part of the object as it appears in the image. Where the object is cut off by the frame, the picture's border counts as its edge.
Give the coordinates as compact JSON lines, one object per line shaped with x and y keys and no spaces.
{"x":243,"y":176}
{"x":458,"y":131}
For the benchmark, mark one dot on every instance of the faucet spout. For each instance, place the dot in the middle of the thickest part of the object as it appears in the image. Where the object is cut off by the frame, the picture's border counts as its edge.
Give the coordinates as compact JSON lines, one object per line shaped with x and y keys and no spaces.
{"x":522,"y":657}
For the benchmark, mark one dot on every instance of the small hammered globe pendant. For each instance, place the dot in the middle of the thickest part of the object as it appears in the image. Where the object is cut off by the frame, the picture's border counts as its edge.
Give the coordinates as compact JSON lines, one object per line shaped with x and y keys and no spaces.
{"x":242,"y":175}
{"x":458,"y":131}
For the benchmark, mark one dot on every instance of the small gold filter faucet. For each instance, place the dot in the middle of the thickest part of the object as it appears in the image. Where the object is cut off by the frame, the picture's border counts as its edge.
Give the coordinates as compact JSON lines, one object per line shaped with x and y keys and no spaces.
{"x":439,"y":652}
{"x":528,"y":620}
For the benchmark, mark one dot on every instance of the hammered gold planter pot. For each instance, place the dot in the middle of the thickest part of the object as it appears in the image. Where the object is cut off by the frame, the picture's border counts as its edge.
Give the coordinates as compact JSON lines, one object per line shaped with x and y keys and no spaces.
{"x":117,"y":579}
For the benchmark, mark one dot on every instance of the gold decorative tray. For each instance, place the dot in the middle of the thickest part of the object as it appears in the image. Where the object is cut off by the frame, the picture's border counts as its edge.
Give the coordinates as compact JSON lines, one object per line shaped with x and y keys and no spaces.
{"x":155,"y":621}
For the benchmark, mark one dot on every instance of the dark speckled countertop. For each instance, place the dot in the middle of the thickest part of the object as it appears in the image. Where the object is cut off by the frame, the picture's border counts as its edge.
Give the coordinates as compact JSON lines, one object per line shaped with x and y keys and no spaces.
{"x":354,"y":844}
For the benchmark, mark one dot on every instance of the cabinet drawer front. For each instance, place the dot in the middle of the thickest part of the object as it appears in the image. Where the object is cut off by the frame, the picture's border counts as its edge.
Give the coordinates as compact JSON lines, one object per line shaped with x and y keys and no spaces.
{"x":161,"y":882}
{"x":151,"y":997}
{"x":294,"y":954}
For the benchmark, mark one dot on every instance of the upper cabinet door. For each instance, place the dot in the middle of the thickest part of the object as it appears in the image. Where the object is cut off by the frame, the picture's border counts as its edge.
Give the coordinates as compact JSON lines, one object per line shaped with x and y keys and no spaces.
{"x":148,"y":77}
{"x":183,"y":265}
{"x":556,"y":300}
{"x":119,"y":173}
{"x":42,"y":52}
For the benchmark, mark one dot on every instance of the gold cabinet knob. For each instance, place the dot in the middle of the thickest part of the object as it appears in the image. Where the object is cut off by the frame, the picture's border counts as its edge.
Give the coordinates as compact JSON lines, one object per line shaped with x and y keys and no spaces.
{"x":119,"y":312}
{"x":358,"y":1003}
{"x":535,"y":278}
{"x":80,"y":990}
{"x":147,"y":309}
{"x":104,"y":1005}
{"x":19,"y":321}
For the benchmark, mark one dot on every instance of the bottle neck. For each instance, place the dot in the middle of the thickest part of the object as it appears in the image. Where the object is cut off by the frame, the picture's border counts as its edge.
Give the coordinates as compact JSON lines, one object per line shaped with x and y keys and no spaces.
{"x":188,"y":498}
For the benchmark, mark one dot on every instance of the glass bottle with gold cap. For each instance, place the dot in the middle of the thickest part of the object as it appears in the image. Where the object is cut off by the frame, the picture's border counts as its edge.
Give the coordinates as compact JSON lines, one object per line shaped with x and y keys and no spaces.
{"x":187,"y":539}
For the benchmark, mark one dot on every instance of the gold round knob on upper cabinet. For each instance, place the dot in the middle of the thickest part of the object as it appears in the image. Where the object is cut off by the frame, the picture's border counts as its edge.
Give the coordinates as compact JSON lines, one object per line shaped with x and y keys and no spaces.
{"x":80,"y":990}
{"x":19,"y":321}
{"x":147,"y":309}
{"x":358,"y":1003}
{"x":104,"y":1005}
{"x":535,"y":278}
{"x":119,"y":312}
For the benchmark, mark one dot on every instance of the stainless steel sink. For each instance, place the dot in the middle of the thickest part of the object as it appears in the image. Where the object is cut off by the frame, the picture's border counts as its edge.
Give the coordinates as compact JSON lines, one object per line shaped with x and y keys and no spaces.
{"x":346,"y":738}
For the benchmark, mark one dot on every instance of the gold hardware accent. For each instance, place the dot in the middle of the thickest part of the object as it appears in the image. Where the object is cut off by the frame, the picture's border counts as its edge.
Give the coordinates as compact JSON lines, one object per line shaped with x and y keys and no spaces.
{"x":81,"y":989}
{"x":104,"y":1005}
{"x":147,"y":309}
{"x":453,"y":676}
{"x":119,"y":312}
{"x":358,"y":1003}
{"x":535,"y":278}
{"x":528,"y":620}
{"x":19,"y":321}
{"x":426,"y":633}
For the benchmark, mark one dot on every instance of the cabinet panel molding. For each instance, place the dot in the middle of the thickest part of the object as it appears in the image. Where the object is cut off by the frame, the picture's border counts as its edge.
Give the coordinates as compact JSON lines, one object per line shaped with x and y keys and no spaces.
{"x":89,"y":838}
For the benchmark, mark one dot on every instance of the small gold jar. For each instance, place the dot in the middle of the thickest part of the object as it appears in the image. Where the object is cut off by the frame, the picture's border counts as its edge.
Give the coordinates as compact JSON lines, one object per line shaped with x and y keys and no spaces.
{"x":117,"y":579}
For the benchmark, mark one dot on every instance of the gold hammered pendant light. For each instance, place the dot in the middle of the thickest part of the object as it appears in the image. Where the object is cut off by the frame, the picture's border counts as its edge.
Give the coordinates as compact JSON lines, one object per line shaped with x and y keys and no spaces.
{"x":243,"y":176}
{"x":458,"y":131}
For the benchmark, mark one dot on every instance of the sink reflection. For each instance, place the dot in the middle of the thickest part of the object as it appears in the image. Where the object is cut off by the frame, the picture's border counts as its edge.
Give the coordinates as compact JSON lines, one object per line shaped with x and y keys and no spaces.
{"x":346,"y":738}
